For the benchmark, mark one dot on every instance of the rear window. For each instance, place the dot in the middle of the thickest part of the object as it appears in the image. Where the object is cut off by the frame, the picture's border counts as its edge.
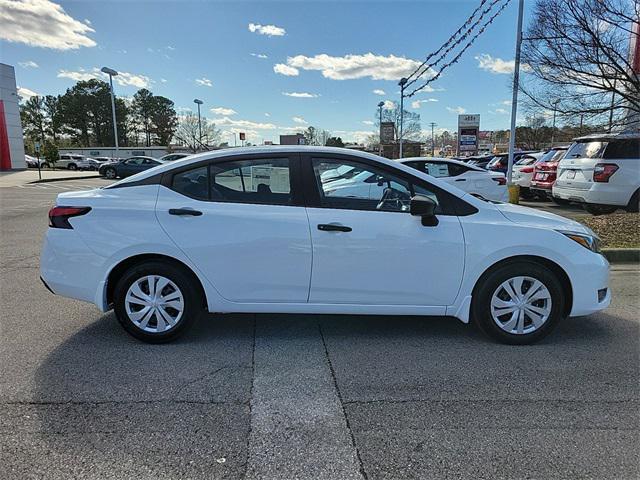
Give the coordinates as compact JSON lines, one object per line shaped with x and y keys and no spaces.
{"x":586,"y":150}
{"x":623,"y":149}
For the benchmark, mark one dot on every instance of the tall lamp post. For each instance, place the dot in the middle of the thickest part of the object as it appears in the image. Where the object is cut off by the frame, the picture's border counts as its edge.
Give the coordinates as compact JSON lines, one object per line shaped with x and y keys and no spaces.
{"x":112,"y":73}
{"x":514,"y":191}
{"x":380,"y":105}
{"x":433,"y":145}
{"x":403,"y":81}
{"x":199,"y":102}
{"x":553,"y":127}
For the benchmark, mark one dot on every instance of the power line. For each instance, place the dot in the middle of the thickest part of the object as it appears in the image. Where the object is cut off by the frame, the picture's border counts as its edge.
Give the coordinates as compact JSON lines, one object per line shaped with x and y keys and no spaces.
{"x":457,"y":57}
{"x":444,"y":45}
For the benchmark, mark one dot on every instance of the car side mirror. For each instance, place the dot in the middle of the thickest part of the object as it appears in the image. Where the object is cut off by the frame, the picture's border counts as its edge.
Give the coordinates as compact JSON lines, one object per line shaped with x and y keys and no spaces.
{"x":425,"y":208}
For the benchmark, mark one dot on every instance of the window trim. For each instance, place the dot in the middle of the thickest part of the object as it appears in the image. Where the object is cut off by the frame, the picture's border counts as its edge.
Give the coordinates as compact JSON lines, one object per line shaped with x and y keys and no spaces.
{"x":297,"y":199}
{"x":313,"y":198}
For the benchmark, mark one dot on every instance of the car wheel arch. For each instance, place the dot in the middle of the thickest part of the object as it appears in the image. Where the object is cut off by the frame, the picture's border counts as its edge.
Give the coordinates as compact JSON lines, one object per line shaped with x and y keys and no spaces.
{"x":120,"y":268}
{"x":557,"y":270}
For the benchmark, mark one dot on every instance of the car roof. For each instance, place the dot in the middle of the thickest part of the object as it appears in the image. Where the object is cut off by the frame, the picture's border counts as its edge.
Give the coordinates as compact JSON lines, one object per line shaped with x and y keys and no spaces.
{"x":438,"y":159}
{"x":609,"y":136}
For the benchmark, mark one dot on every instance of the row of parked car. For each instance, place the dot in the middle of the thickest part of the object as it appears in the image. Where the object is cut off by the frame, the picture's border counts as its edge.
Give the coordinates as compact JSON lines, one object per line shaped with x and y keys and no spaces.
{"x":601,"y":172}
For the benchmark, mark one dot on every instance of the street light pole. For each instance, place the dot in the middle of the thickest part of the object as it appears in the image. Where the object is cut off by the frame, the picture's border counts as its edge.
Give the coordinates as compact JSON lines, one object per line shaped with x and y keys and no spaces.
{"x":112,"y":73}
{"x":553,"y":127}
{"x":402,"y":83}
{"x":433,"y":145}
{"x":514,"y":103}
{"x":380,"y":105}
{"x":199,"y":102}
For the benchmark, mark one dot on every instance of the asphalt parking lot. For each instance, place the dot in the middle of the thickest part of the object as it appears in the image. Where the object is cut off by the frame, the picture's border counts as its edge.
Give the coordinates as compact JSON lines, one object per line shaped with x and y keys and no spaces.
{"x":301,"y":396}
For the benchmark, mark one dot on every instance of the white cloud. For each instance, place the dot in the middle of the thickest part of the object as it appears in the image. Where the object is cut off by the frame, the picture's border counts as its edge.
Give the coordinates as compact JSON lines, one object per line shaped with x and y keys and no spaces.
{"x":259,"y":55}
{"x":267,"y":114}
{"x":378,"y":67}
{"x":286,"y":70}
{"x":228,"y":122}
{"x":389,"y":105}
{"x":506,"y":102}
{"x":417,"y":103}
{"x":223,"y":111}
{"x":204,"y":82}
{"x":42,"y":23}
{"x":123,"y":78}
{"x":379,"y":91}
{"x":297,"y":129}
{"x":25,"y":93}
{"x":163,"y":80}
{"x":497,"y":65}
{"x":300,"y":94}
{"x":87,"y":21}
{"x":171,"y":48}
{"x":269,"y":30}
{"x":367,"y":122}
{"x":458,"y":110}
{"x":501,"y":111}
{"x":28,"y":64}
{"x":299,"y":120}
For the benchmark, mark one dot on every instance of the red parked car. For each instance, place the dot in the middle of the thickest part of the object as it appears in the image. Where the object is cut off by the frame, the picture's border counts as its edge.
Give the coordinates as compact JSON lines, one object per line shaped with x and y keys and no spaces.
{"x":544,"y":173}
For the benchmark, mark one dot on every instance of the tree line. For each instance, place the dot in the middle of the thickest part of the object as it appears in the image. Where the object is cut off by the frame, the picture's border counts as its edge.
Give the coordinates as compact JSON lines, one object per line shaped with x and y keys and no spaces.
{"x":82,"y":117}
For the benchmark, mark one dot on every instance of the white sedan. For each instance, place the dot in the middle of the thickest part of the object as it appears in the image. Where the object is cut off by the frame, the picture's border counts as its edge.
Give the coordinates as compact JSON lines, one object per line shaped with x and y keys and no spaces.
{"x":256,"y":230}
{"x":471,"y":179}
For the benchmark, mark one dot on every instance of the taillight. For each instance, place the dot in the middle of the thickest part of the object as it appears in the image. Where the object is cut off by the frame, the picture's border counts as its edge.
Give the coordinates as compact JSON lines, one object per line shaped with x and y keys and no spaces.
{"x":602,"y":172}
{"x":500,"y":180}
{"x":59,"y":216}
{"x":526,"y":169}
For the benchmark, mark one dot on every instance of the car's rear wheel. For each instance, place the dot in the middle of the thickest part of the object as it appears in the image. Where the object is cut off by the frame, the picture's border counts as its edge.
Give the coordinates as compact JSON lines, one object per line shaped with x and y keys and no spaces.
{"x":518,"y":303}
{"x":110,"y":173}
{"x":560,"y":201}
{"x":72,"y":166}
{"x":598,"y":209}
{"x":156,"y":302}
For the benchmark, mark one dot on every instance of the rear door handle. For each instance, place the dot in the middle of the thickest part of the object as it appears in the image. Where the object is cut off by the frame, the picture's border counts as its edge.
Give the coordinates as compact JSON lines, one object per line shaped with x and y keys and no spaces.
{"x":185,"y":212}
{"x":333,"y":227}
{"x":461,"y":179}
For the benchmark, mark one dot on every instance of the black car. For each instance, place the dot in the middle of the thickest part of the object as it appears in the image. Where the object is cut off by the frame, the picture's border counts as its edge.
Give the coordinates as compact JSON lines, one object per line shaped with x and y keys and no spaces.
{"x":127,"y":167}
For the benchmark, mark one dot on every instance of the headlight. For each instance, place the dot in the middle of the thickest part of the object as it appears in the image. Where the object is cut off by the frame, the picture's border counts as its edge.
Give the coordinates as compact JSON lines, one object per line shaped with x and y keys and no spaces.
{"x":591,"y":242}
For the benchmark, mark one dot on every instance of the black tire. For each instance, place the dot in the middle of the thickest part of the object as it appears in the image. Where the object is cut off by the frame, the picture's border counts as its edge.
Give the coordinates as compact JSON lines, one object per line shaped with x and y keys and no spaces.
{"x":634,"y":204}
{"x":490,"y":282}
{"x":110,"y":173}
{"x":560,"y":201}
{"x":597,"y":209}
{"x":526,"y":194}
{"x":185,"y":282}
{"x":72,"y":166}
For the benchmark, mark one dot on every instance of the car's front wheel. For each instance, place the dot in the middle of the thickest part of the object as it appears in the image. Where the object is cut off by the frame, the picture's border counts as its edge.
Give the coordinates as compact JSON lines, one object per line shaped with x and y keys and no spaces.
{"x":110,"y":173}
{"x":518,"y":303}
{"x":72,"y":166}
{"x":156,"y":302}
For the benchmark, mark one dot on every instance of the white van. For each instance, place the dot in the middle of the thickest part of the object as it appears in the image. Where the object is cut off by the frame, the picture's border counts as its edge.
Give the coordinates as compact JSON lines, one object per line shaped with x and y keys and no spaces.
{"x":602,"y":172}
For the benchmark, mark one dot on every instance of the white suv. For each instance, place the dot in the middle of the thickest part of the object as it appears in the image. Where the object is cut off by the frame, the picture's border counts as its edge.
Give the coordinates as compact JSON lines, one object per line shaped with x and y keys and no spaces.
{"x":70,"y":162}
{"x":602,"y":172}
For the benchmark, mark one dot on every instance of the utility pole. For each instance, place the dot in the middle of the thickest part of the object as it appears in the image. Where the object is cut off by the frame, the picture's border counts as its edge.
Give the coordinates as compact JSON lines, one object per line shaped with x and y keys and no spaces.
{"x":402,"y":83}
{"x":112,"y":73}
{"x":553,"y":127}
{"x":433,"y":145}
{"x":613,"y":102}
{"x":199,"y":102}
{"x":514,"y":106}
{"x":380,"y":105}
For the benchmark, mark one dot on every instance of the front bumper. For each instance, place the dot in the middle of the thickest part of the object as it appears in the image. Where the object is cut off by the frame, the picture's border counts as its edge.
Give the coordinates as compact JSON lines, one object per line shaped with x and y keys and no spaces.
{"x":589,"y":280}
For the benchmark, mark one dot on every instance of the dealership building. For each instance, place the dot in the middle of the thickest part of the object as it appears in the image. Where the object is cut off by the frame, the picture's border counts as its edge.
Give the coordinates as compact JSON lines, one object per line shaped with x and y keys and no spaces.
{"x":11,"y":139}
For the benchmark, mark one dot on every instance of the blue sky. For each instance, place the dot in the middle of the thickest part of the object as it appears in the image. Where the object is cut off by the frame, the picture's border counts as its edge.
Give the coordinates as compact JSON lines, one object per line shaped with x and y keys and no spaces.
{"x":215,"y":51}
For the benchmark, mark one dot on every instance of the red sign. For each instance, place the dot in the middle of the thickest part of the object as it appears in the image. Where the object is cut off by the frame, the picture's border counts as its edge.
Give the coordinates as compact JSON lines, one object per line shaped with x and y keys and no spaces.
{"x":242,"y":136}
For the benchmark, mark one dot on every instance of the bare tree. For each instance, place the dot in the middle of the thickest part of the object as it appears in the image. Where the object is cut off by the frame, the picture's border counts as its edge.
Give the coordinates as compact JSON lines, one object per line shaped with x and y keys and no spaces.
{"x":188,"y":133}
{"x":578,"y":55}
{"x":412,"y":129}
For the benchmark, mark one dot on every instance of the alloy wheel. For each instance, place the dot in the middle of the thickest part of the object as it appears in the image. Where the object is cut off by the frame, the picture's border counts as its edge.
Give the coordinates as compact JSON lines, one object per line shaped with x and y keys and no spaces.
{"x":154,"y":304}
{"x":521,"y":305}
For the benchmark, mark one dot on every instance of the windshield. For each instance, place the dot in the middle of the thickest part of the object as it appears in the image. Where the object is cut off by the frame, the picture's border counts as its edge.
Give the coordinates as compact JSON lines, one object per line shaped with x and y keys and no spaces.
{"x":586,"y":150}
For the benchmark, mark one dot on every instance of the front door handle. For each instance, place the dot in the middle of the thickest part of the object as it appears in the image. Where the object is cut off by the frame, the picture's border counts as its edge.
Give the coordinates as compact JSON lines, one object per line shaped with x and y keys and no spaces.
{"x":461,"y":179}
{"x":333,"y":227}
{"x":185,"y":212}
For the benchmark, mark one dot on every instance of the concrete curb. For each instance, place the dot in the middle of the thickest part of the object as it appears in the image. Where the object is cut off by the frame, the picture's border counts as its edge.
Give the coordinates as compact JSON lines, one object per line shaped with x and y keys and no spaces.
{"x":62,"y":179}
{"x":622,"y":255}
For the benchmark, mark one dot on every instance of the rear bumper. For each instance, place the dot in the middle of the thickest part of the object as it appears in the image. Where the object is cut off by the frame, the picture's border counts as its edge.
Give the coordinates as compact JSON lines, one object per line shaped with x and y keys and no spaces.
{"x":603,"y":194}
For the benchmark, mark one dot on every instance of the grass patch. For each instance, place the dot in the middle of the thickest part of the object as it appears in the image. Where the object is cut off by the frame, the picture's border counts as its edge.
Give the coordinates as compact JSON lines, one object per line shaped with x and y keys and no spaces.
{"x":618,"y":230}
